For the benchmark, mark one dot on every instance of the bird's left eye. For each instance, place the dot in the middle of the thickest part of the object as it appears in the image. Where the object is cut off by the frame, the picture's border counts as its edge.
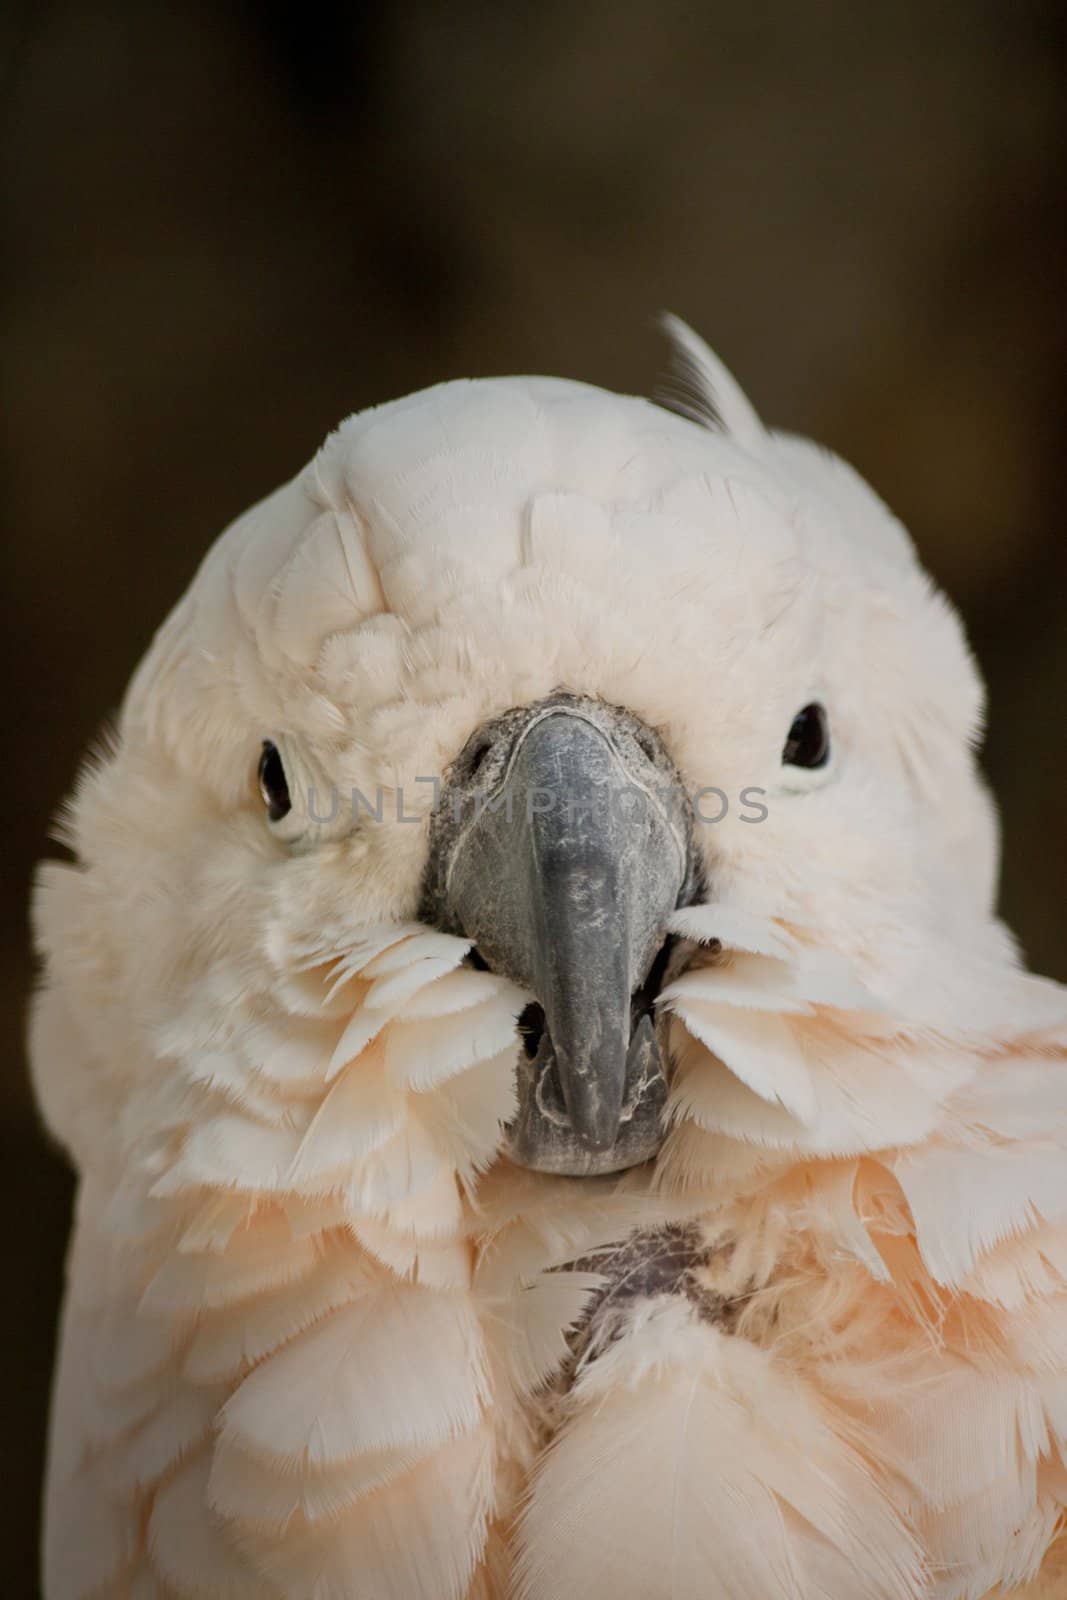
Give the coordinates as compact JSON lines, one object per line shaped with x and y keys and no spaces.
{"x":272,"y":783}
{"x":808,"y":741}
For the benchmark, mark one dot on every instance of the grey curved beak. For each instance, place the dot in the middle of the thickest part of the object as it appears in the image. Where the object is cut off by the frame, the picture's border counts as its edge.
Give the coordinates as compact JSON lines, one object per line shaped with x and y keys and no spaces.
{"x":564,"y":876}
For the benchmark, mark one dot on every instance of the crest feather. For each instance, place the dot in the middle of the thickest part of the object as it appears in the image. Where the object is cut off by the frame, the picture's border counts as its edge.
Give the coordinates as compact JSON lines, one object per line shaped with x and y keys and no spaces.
{"x":704,"y":389}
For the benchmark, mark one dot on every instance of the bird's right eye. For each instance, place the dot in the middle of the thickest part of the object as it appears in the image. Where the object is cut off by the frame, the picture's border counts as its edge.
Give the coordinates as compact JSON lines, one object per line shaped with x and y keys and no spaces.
{"x":273,"y":785}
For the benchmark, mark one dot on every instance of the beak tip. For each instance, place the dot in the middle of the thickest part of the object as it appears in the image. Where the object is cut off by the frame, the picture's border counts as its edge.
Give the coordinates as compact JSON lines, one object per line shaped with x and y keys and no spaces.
{"x":594,"y":1098}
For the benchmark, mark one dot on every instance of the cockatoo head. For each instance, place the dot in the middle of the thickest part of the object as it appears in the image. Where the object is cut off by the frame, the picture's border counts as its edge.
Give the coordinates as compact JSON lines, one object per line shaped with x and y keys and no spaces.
{"x":547,"y":669}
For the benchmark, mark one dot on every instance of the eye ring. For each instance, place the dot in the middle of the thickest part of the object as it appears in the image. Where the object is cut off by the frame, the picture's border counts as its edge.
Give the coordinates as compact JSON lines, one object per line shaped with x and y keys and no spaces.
{"x":808,"y":740}
{"x":273,"y":784}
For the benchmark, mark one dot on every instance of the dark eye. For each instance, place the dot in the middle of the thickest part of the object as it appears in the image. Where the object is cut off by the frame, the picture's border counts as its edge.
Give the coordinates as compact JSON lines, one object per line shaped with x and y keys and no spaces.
{"x":272,"y":784}
{"x":808,"y":742}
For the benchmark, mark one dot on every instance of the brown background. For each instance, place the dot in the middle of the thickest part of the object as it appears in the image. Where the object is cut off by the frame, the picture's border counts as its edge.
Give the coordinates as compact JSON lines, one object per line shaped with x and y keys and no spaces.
{"x":228,"y":227}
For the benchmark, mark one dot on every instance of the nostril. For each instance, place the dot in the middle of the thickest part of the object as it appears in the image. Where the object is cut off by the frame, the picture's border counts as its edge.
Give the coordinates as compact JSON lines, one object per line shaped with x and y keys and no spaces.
{"x":531,"y":1028}
{"x":475,"y":759}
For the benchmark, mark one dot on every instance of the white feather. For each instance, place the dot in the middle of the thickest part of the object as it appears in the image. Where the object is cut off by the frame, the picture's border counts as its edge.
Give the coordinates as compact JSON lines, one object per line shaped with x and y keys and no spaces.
{"x":763,"y":1051}
{"x":530,"y":1326}
{"x":400,"y":1368}
{"x":420,"y":1055}
{"x":191,"y":1550}
{"x":360,"y":1114}
{"x":261,"y":1256}
{"x":424,"y":945}
{"x":733,"y":927}
{"x":230,"y":1341}
{"x":416,"y":1539}
{"x":675,"y":1480}
{"x":244,"y":1488}
{"x":456,"y":991}
{"x":714,"y":393}
{"x":178,"y":1428}
{"x":437,"y":1263}
{"x":965,"y":1201}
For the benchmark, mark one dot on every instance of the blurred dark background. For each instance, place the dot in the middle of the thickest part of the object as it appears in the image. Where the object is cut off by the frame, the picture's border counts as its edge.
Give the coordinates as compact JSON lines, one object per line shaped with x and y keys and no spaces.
{"x":228,"y":227}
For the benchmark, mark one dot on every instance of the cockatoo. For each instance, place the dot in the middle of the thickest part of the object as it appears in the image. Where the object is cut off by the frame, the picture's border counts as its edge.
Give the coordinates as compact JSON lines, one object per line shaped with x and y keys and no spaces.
{"x":555,"y":1112}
